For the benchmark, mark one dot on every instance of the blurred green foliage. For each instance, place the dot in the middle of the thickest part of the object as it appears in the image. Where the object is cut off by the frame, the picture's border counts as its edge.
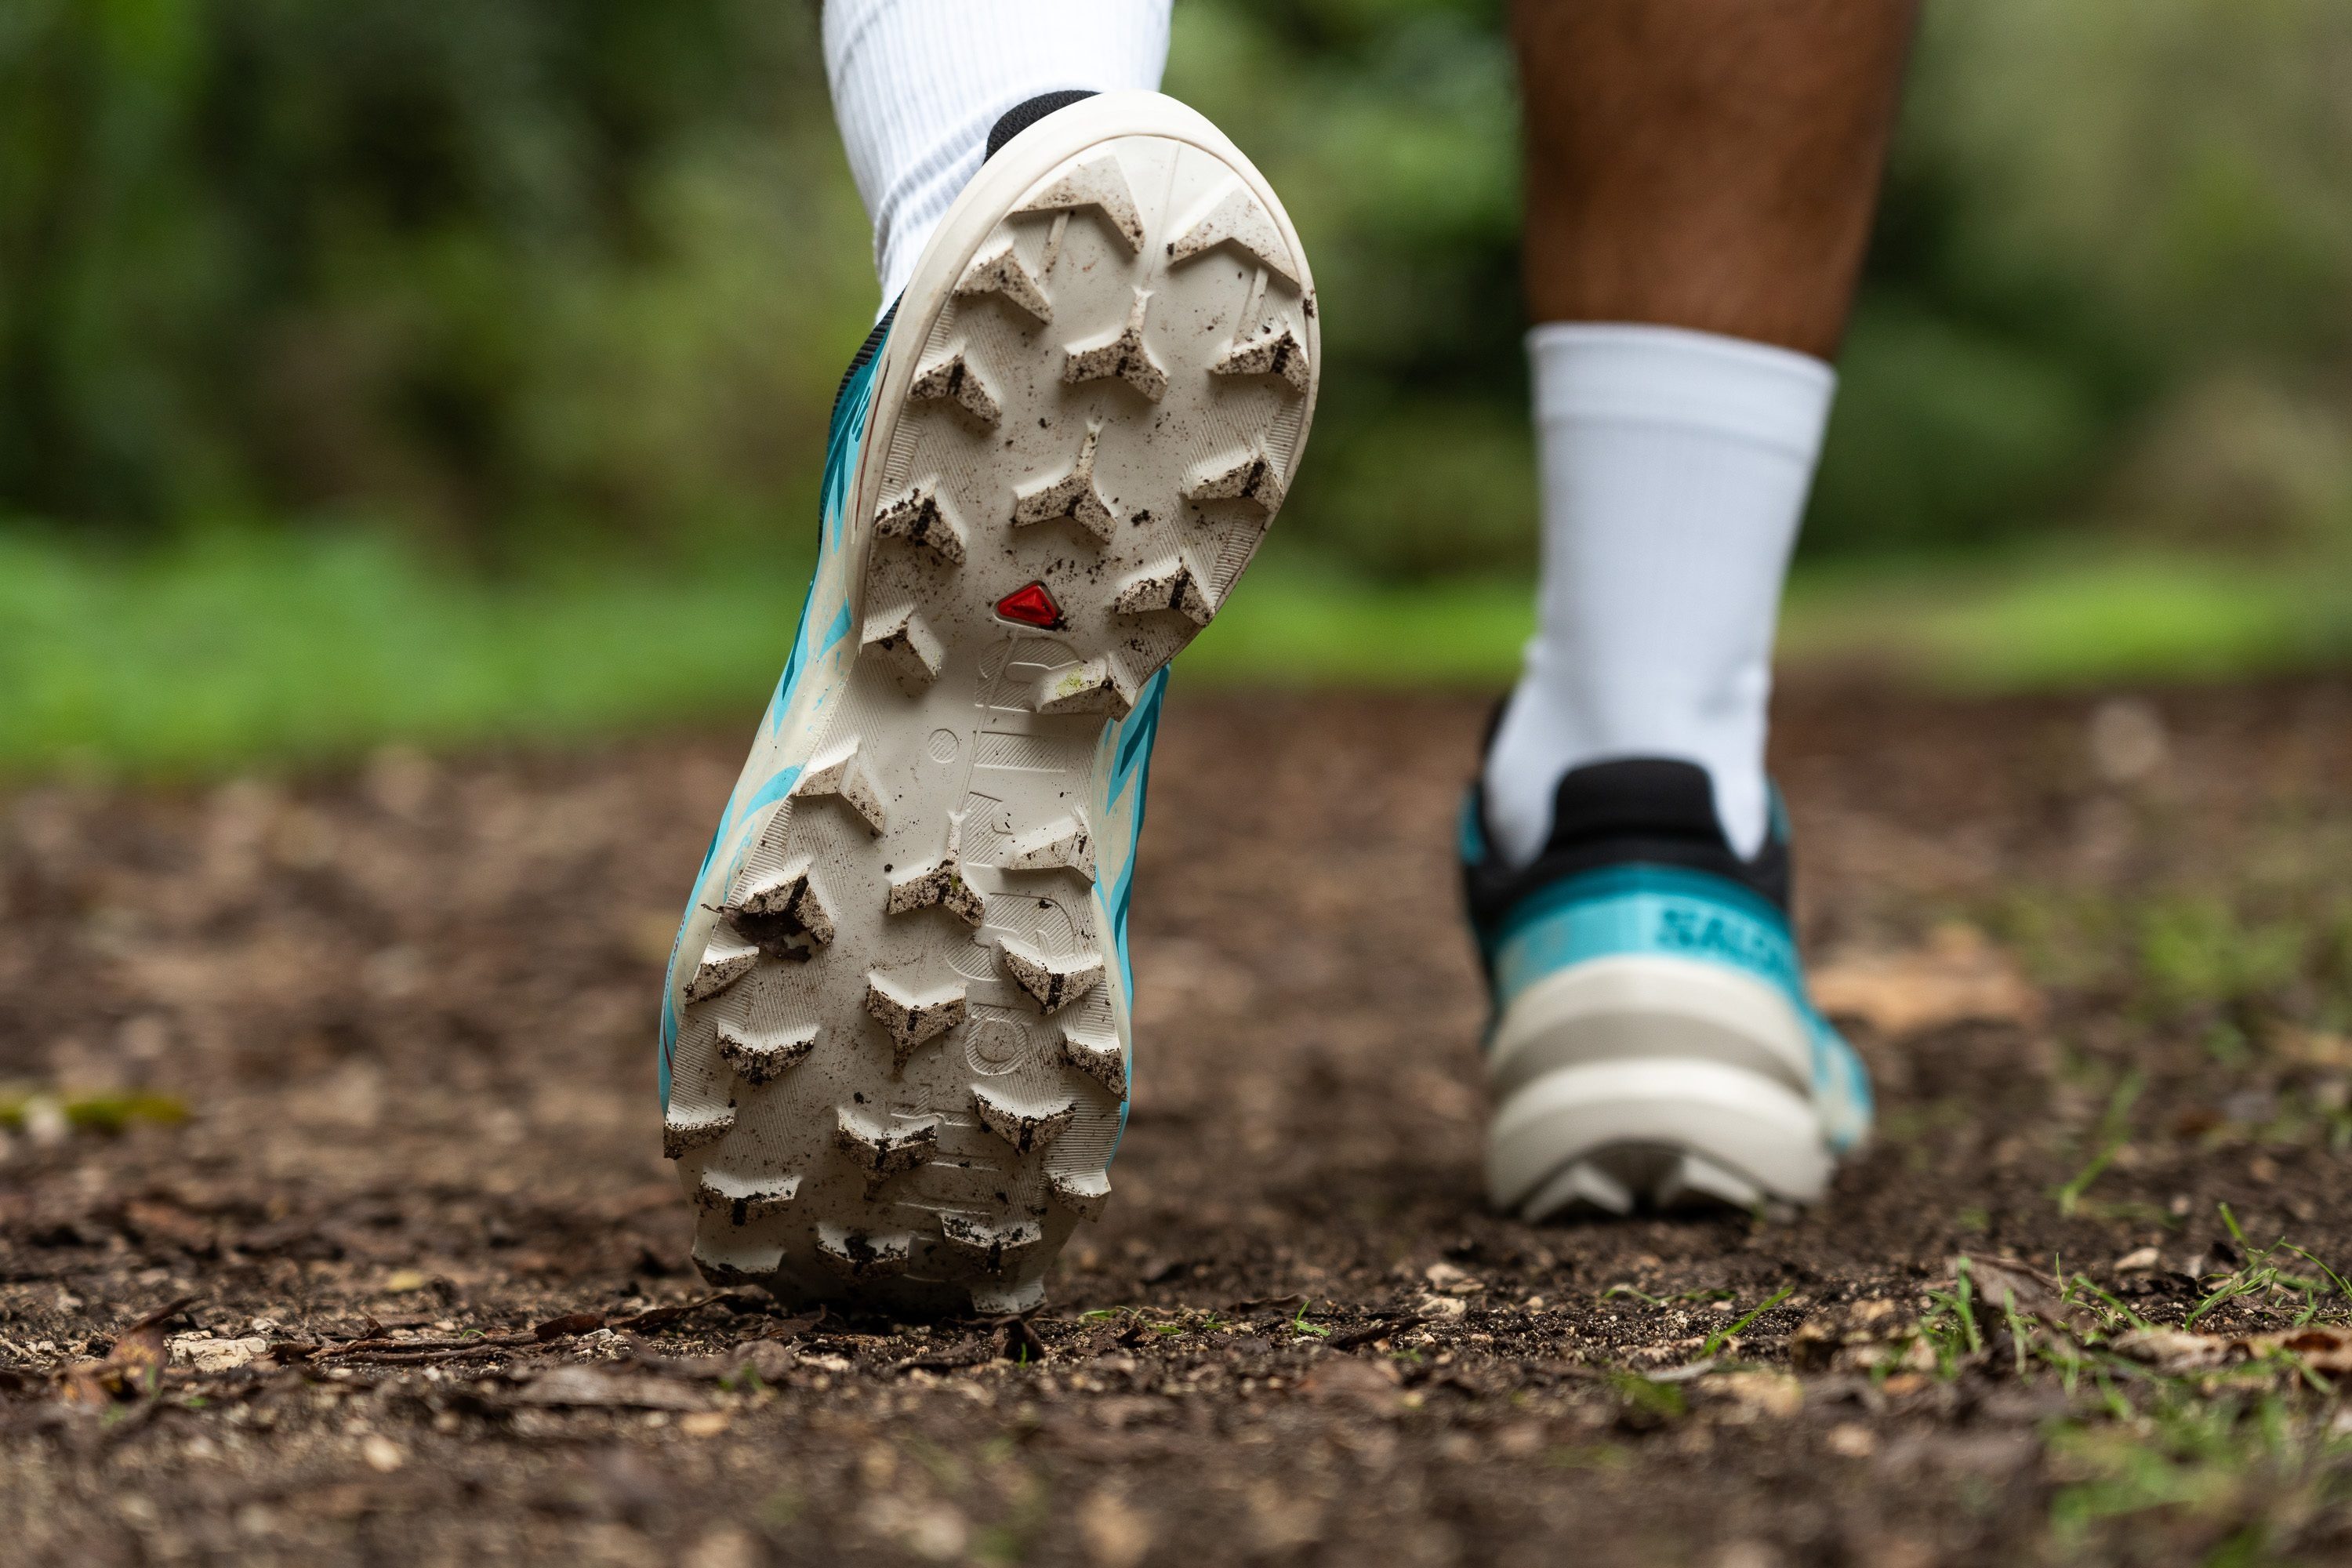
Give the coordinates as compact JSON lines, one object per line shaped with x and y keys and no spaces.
{"x":234,"y":647}
{"x":495,"y":269}
{"x":532,"y":277}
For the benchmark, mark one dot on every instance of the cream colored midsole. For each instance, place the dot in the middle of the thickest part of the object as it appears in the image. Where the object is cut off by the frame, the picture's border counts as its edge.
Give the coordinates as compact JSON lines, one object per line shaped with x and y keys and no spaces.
{"x":1638,"y":1006}
{"x":1742,"y":1121}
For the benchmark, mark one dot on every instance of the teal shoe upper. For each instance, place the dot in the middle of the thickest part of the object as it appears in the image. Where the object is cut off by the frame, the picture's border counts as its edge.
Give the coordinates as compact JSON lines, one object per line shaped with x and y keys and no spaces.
{"x":1638,"y":866}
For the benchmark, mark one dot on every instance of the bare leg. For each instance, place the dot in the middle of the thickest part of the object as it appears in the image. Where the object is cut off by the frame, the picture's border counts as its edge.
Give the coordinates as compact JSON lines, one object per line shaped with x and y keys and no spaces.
{"x":1701,"y":176}
{"x":1700,"y":181}
{"x":1706,"y":163}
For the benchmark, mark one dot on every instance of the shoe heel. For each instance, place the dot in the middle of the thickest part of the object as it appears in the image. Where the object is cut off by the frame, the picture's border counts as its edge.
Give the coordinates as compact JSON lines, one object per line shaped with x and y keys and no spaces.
{"x":1640,"y":1079}
{"x":1664,"y":1132}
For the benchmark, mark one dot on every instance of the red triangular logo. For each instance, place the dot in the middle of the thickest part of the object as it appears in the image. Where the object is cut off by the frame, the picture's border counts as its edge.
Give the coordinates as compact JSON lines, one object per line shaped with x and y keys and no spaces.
{"x":1030,"y":606}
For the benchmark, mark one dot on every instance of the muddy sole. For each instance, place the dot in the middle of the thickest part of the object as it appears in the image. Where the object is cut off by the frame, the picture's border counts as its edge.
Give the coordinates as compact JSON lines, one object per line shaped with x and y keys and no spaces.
{"x":903,"y":1063}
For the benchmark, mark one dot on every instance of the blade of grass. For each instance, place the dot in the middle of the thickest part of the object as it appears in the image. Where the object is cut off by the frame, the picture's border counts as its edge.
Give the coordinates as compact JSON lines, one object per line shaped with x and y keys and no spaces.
{"x":2113,"y":1134}
{"x":1715,"y":1341}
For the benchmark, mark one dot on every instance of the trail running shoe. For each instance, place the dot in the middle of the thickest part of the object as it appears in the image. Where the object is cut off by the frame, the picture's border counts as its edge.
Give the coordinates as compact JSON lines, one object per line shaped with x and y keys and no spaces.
{"x":1652,"y":1041}
{"x":895,"y":1041}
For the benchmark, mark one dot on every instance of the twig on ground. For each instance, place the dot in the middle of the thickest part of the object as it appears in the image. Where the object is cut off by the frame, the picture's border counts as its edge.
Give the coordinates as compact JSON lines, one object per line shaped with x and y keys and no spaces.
{"x":1356,"y":1339}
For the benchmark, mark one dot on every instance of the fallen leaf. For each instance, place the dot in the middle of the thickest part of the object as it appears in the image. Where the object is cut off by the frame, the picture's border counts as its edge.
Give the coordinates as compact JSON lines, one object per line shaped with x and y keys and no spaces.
{"x":141,"y":1354}
{"x":2315,"y":1346}
{"x":2033,"y":1293}
{"x":1355,"y":1338}
{"x":403,"y":1280}
{"x":1958,"y":977}
{"x":88,"y":1385}
{"x":2145,"y":1260}
{"x":656,"y":1317}
{"x":2319,"y":1348}
{"x":2174,"y":1350}
{"x":377,"y":1346}
{"x":1448,"y":1279}
{"x":567,"y":1326}
{"x":591,"y":1387}
{"x":968,"y":1352}
{"x":205,"y":1353}
{"x":133,"y":1369}
{"x":793,"y":1328}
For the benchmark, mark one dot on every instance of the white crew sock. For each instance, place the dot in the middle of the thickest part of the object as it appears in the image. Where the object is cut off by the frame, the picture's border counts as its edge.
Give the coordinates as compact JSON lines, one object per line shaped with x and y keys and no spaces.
{"x":916,"y":85}
{"x":1675,"y":468}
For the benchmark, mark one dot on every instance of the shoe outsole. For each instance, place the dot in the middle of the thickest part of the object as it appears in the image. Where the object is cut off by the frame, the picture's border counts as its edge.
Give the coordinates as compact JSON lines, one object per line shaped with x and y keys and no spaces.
{"x":901,"y":1068}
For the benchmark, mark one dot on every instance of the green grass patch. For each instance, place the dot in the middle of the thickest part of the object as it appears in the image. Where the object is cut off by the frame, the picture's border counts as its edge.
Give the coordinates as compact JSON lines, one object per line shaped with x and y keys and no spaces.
{"x":281,"y":646}
{"x":1293,"y":625}
{"x":277,"y":648}
{"x":2238,"y":1476}
{"x":22,"y":1109}
{"x":2074,"y":617}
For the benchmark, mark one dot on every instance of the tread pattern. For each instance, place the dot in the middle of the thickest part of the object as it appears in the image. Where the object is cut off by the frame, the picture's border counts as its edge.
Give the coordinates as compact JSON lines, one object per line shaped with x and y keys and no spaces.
{"x":901,"y":1064}
{"x":1004,"y":275}
{"x":1053,"y":982}
{"x":1251,"y":478}
{"x":763,"y":1058}
{"x":843,"y":775}
{"x":1173,"y":588}
{"x":940,"y":885}
{"x":1269,"y":353}
{"x":783,"y":914}
{"x":1099,"y":183}
{"x":881,"y":1152}
{"x":952,"y":379}
{"x":1123,"y":355}
{"x":743,"y":1200}
{"x":1084,"y":1193}
{"x":1026,"y":1127}
{"x":908,"y":645}
{"x":922,"y":517}
{"x":1072,"y":495}
{"x":1096,"y":1056}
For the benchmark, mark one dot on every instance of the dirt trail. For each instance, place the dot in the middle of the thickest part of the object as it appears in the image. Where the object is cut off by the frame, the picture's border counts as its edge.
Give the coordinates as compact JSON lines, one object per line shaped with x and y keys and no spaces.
{"x":2095,"y":952}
